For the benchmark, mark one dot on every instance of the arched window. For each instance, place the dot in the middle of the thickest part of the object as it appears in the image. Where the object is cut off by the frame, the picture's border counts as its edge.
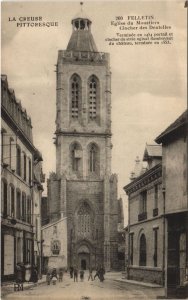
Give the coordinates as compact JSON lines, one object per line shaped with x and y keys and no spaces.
{"x":75,"y":96}
{"x":18,"y":160}
{"x":93,"y":87}
{"x":12,"y":201}
{"x":76,"y":155}
{"x":93,"y":159}
{"x":84,"y":220}
{"x":142,"y":260}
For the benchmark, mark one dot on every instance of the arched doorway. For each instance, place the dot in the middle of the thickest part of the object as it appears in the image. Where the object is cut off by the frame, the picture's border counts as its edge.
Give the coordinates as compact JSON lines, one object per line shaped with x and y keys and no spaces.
{"x":83,"y":257}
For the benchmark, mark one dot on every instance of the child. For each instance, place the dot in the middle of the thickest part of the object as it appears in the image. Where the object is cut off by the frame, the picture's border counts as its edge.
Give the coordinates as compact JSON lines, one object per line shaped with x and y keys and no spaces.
{"x":48,"y":278}
{"x":81,"y":275}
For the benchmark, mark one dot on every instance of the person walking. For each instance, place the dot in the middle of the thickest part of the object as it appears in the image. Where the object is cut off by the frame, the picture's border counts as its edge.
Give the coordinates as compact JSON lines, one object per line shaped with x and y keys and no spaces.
{"x":101,"y":274}
{"x":90,"y":274}
{"x":71,"y":272}
{"x":75,"y":274}
{"x":97,"y":273}
{"x":60,"y":275}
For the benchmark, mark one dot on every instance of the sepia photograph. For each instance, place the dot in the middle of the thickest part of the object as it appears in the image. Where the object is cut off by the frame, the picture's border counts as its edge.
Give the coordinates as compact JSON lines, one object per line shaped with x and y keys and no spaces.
{"x":94,"y":147}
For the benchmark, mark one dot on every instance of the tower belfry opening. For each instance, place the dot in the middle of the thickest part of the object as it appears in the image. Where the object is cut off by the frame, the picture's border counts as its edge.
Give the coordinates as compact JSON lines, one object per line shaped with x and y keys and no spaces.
{"x":83,"y":189}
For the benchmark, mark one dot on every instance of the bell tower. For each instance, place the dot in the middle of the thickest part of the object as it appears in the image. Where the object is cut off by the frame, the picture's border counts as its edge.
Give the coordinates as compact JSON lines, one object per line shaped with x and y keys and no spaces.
{"x":87,"y":191}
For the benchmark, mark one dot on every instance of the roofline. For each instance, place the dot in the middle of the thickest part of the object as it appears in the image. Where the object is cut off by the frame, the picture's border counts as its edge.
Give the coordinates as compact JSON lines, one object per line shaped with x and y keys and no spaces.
{"x":16,"y":128}
{"x":160,"y":138}
{"x":52,"y":224}
{"x":129,"y":186}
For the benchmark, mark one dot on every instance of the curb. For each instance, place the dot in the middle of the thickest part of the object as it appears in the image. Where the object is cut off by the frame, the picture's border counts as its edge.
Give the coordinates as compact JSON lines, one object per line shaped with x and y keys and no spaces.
{"x":144,"y":284}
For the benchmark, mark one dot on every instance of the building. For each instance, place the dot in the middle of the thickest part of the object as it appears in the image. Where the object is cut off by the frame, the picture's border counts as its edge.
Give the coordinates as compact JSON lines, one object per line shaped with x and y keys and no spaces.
{"x":54,"y":245}
{"x":83,"y":189}
{"x":44,"y":211}
{"x":21,"y":188}
{"x":174,"y":142}
{"x":145,"y":219}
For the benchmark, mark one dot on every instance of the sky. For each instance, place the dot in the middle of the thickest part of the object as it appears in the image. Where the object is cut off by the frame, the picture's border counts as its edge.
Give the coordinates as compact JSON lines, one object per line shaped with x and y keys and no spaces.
{"x":149,"y":82}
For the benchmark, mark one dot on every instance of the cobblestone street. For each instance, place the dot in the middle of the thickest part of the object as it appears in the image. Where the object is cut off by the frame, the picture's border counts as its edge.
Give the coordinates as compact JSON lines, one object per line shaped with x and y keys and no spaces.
{"x":112,"y":288}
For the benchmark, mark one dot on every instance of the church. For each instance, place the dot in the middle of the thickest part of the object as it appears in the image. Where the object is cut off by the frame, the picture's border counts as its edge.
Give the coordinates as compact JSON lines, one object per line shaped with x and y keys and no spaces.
{"x":83,"y":191}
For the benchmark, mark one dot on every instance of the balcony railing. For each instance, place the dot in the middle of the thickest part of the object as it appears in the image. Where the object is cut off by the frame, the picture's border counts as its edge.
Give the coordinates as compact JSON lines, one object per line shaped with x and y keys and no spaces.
{"x":142,"y":216}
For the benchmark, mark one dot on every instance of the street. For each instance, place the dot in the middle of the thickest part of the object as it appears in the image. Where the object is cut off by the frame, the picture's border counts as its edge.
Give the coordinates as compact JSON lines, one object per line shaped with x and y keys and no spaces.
{"x":111,"y":288}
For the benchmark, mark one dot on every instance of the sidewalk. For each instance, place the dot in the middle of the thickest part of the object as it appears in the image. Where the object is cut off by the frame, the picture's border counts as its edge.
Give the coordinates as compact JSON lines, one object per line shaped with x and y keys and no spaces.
{"x":8,"y":287}
{"x":118,"y":276}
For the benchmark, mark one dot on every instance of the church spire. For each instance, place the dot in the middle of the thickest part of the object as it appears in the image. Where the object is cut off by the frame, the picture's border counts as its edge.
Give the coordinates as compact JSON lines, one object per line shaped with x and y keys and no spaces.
{"x":81,"y":38}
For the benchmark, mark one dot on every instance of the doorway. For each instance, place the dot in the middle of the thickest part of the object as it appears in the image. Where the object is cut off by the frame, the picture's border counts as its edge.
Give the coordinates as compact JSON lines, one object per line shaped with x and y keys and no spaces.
{"x":83,"y":264}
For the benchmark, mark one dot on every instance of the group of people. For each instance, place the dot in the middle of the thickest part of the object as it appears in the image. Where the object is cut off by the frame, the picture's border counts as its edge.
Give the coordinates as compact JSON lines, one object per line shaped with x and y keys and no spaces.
{"x":100,"y":271}
{"x":52,"y":276}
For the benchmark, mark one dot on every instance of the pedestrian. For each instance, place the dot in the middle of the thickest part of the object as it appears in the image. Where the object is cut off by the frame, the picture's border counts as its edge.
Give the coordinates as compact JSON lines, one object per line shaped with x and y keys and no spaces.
{"x":48,"y":278}
{"x":34,"y":274}
{"x":60,"y":275}
{"x":71,"y":272}
{"x":90,"y":274}
{"x":75,"y":274}
{"x":101,"y":274}
{"x":97,"y":273}
{"x":54,"y":276}
{"x":82,"y":275}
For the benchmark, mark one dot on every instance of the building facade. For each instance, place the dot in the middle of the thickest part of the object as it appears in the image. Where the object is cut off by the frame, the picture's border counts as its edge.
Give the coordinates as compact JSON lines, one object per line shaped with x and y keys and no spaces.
{"x":83,"y":189}
{"x":145,"y":231}
{"x":54,"y":245}
{"x":19,"y":190}
{"x":175,"y":186}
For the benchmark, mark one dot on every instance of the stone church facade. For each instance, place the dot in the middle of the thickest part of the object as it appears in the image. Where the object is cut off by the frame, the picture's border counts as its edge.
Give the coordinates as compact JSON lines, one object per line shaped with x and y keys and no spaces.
{"x":83,"y":189}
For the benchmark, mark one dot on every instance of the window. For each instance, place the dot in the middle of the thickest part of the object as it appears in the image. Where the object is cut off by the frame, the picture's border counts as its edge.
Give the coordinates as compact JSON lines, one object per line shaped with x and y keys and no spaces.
{"x":18,"y":204}
{"x":156,"y":196}
{"x":143,"y":206}
{"x":12,"y":199}
{"x":23,"y":207}
{"x":76,"y":155}
{"x":25,"y":167}
{"x":142,"y":260}
{"x":18,"y":160}
{"x":93,"y":94}
{"x":10,"y":150}
{"x":93,"y":159}
{"x":28,"y":246}
{"x":36,"y":228}
{"x":56,"y":247}
{"x":84,"y":220}
{"x":28,"y":216}
{"x":155,"y":231}
{"x":4,"y":197}
{"x":54,"y":230}
{"x":75,"y":96}
{"x":131,"y":239}
{"x":143,"y":202}
{"x":3,"y":131}
{"x":29,"y":171}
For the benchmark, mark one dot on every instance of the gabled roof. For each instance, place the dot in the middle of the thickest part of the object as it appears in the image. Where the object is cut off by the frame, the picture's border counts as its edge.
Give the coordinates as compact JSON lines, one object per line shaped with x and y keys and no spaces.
{"x":173,"y":128}
{"x":152,"y":151}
